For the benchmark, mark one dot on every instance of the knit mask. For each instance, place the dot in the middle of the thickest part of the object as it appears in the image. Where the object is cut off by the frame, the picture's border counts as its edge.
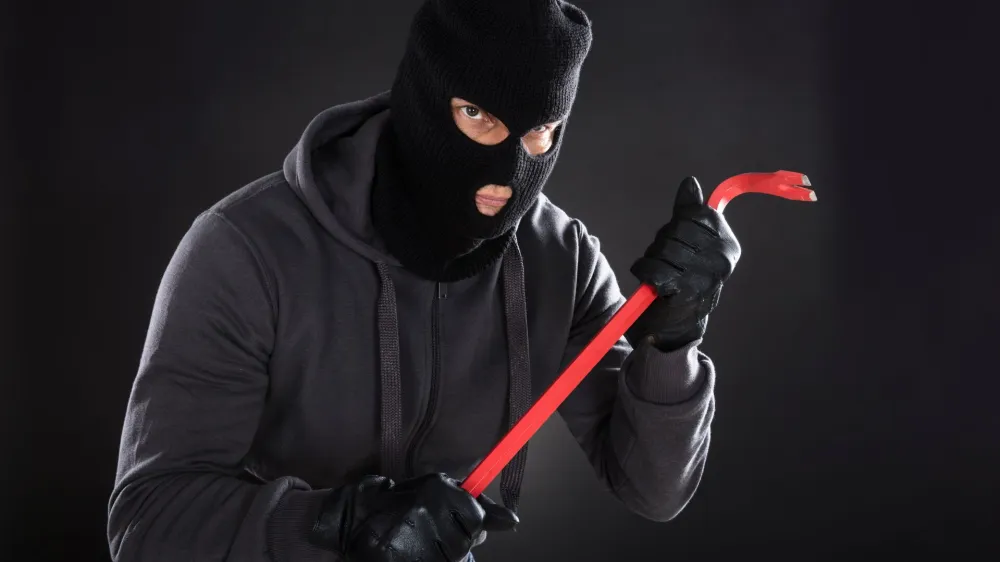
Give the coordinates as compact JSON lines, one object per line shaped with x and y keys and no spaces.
{"x":518,"y":60}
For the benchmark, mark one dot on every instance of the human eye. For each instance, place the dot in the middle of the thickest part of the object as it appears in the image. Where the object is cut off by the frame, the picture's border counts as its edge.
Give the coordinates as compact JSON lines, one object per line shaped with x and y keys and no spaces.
{"x":544,"y":130}
{"x":473,"y":112}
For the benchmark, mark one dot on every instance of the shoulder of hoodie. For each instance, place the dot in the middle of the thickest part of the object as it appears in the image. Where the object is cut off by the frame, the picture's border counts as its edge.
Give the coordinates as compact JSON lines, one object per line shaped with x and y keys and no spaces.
{"x":547,"y":232}
{"x":260,"y":191}
{"x":261,"y":209}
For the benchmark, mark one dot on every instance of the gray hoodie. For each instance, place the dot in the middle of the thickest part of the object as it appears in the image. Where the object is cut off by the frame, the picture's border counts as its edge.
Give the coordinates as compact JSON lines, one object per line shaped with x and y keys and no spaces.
{"x":287,"y":354}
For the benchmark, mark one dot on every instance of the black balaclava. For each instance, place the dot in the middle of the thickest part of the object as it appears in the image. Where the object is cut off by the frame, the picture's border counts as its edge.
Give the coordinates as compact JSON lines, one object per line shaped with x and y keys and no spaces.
{"x":518,"y":60}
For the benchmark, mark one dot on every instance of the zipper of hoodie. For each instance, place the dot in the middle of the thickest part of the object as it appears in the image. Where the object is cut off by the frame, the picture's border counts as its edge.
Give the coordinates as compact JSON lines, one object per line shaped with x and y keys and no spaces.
{"x":423,"y":429}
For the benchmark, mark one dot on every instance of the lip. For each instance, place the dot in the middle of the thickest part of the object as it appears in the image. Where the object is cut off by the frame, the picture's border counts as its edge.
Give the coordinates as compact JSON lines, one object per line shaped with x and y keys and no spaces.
{"x":492,"y":201}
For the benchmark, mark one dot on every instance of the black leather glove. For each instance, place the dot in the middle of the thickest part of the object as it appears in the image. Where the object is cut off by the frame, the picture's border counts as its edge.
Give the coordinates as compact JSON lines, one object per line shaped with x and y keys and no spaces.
{"x":688,"y":261}
{"x":430,"y":518}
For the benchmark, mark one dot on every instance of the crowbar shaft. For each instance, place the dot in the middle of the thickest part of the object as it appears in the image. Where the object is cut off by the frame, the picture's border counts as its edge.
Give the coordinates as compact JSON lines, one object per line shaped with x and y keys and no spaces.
{"x":788,"y":185}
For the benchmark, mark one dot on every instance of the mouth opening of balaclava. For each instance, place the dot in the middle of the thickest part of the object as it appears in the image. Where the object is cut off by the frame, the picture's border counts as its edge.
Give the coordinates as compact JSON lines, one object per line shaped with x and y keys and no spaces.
{"x":520,"y":61}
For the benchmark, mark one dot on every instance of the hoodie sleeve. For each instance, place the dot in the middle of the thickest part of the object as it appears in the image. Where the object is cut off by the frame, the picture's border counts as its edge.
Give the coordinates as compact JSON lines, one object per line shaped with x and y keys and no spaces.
{"x":642,"y":417}
{"x":192,"y":414}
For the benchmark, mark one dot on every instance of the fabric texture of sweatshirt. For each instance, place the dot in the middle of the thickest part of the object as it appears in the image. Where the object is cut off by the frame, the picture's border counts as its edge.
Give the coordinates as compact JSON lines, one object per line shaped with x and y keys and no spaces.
{"x":288,"y":354}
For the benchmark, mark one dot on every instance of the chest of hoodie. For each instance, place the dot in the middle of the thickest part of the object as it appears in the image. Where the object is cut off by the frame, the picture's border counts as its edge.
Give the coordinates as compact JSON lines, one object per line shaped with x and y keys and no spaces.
{"x":322,"y":416}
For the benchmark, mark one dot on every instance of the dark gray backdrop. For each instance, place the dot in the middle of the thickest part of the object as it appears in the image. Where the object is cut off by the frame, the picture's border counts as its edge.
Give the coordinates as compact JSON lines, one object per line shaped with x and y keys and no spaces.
{"x":856,"y":395}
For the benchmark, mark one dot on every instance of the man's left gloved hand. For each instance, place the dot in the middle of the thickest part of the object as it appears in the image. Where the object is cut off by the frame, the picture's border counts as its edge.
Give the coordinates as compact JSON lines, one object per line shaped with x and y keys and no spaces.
{"x":688,"y":262}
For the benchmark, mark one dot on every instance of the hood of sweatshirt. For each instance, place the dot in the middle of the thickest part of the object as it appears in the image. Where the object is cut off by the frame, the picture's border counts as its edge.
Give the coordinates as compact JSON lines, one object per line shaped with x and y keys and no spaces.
{"x":331,"y":169}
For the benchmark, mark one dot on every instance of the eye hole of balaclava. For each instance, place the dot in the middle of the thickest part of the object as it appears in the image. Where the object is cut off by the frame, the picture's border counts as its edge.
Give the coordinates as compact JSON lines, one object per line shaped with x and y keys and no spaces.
{"x":488,"y":129}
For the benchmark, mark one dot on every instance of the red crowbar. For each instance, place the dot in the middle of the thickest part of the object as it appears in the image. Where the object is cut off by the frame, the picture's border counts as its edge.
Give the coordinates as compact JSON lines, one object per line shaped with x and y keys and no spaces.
{"x":788,"y":185}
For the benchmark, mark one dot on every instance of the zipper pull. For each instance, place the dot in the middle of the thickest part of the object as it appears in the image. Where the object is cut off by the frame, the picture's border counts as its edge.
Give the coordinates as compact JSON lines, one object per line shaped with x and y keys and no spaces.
{"x":442,"y":291}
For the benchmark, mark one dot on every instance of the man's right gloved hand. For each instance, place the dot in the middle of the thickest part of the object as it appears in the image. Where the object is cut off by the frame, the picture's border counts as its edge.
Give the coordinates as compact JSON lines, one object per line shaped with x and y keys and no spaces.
{"x":429,"y":518}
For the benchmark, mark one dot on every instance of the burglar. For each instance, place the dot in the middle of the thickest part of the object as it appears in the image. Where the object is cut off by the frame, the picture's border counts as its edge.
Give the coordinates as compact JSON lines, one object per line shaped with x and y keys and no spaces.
{"x":334,"y":346}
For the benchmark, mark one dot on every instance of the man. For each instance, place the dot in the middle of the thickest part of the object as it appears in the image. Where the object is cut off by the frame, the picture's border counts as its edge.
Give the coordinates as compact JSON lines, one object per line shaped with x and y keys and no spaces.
{"x":334,"y":346}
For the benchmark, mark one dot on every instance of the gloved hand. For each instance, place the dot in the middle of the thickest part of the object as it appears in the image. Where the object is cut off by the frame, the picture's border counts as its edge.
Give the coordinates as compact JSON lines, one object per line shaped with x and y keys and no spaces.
{"x":688,"y":261}
{"x":429,"y":518}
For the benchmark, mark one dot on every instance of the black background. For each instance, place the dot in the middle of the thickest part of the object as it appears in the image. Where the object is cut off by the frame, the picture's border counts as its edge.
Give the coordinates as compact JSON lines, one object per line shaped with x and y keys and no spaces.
{"x":857,"y":387}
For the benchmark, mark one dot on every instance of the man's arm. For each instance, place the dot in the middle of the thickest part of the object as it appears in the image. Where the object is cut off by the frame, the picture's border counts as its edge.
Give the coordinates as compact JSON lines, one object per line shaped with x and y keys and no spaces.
{"x":193,"y":411}
{"x":643,"y":417}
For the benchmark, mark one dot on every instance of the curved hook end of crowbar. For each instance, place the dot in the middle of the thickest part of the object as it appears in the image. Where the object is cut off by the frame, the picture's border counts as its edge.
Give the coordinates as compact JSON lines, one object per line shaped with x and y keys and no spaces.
{"x":783,"y":183}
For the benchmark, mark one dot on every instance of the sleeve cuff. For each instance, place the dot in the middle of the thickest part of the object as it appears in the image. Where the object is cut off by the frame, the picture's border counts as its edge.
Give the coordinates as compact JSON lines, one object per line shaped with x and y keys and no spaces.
{"x":666,"y":378}
{"x":288,"y":529}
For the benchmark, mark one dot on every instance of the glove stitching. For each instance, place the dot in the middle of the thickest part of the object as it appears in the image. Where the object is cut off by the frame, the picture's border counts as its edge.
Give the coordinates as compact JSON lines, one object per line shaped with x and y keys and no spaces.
{"x":674,"y":265}
{"x":695,"y":249}
{"x":706,"y":227}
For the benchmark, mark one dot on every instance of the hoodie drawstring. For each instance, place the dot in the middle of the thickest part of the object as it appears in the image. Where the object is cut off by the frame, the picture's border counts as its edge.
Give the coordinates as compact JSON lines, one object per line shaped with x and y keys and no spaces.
{"x":519,"y":368}
{"x":391,"y":403}
{"x":519,"y":371}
